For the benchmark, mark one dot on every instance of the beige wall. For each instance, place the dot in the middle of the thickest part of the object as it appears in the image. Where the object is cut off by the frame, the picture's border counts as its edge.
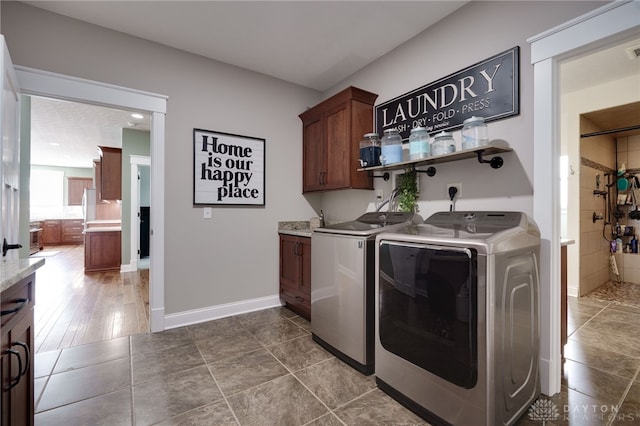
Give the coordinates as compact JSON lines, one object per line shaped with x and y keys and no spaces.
{"x":600,"y":153}
{"x":234,"y":257}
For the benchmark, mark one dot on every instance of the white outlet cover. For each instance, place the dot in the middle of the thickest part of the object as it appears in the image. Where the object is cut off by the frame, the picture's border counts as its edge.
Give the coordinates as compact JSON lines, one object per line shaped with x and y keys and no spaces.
{"x":207,"y":213}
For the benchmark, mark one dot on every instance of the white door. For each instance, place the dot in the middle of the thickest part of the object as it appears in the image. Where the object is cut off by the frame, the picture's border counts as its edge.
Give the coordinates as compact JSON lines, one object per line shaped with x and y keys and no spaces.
{"x":10,"y":149}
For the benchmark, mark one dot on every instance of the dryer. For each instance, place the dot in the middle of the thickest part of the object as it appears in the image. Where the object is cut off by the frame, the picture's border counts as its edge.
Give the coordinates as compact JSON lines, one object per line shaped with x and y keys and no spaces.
{"x":456,"y":324}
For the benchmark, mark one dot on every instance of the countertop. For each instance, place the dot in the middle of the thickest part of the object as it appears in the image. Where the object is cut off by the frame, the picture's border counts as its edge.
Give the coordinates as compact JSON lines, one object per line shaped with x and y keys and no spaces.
{"x":298,"y":228}
{"x":12,"y":271}
{"x":103,"y":229}
{"x":566,"y":242}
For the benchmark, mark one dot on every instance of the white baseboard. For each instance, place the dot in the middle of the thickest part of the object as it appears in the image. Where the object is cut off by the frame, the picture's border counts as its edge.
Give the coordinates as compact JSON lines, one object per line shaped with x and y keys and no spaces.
{"x":195,"y":316}
{"x":157,"y":319}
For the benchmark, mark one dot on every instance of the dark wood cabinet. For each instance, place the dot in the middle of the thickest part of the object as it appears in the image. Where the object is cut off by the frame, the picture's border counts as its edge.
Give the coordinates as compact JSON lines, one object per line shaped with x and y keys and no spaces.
{"x":75,"y":189}
{"x":110,"y":173}
{"x":16,"y":356}
{"x":332,"y":131}
{"x":51,"y":232}
{"x":295,"y":273}
{"x":102,"y":251}
{"x":71,"y":231}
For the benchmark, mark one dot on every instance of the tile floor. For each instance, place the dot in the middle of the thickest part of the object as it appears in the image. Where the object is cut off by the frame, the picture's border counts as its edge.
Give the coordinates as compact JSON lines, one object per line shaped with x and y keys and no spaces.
{"x":263,"y":368}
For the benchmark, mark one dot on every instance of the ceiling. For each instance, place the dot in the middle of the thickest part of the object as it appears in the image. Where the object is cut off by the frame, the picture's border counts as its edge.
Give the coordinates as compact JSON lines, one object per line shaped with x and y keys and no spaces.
{"x":314,"y":44}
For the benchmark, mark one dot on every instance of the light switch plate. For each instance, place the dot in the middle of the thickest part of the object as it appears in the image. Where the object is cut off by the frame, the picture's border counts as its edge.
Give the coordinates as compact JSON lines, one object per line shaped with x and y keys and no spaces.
{"x":207,"y":212}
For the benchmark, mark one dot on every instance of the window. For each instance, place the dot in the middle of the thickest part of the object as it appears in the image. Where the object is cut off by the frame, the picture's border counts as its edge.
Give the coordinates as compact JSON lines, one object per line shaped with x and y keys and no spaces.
{"x":46,"y":192}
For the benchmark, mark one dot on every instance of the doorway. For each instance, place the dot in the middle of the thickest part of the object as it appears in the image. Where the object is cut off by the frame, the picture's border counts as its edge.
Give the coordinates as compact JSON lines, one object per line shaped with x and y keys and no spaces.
{"x":46,"y":84}
{"x":606,"y":25}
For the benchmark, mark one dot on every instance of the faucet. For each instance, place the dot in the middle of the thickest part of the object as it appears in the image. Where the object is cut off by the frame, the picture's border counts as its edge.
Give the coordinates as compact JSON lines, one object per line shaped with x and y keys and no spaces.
{"x":392,"y":201}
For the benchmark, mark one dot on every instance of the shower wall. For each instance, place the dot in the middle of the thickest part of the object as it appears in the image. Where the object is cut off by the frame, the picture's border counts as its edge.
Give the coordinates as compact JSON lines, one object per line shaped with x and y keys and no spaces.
{"x":597,"y":159}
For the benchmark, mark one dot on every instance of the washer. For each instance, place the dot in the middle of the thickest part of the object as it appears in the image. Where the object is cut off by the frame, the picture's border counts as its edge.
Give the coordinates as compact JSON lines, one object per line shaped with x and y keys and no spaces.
{"x":342,"y":285}
{"x":456,"y":327}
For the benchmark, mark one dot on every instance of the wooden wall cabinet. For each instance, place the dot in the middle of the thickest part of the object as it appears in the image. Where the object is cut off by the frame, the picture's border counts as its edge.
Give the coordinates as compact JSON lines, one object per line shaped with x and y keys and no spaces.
{"x":110,"y":173}
{"x":75,"y":189}
{"x":295,"y":274}
{"x":332,"y":131}
{"x":102,"y":251}
{"x":17,"y":354}
{"x":51,"y":232}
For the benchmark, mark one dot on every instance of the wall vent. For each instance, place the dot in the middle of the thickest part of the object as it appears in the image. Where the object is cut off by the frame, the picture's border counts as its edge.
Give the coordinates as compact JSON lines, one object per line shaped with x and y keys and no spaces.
{"x":633,"y":52}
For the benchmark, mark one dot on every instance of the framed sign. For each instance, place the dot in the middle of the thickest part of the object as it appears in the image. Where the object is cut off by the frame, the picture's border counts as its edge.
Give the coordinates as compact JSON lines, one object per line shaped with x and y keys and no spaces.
{"x":227,"y":169}
{"x":488,"y":89}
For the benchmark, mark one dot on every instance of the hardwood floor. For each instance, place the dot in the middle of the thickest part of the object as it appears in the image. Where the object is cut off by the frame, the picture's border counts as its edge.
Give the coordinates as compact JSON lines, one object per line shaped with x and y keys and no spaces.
{"x":73,"y":308}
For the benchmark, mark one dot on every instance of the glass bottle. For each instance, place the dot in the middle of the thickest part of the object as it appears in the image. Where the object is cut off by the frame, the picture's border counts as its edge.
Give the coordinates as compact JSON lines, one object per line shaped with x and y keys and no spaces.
{"x":391,"y":150}
{"x":443,"y":143}
{"x":370,"y":150}
{"x":418,"y":143}
{"x":474,"y":133}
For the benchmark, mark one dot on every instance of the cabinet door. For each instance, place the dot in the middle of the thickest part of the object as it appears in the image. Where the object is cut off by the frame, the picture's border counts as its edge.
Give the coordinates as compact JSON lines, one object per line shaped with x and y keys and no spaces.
{"x":111,"y":173}
{"x":289,"y":264}
{"x":338,"y":147}
{"x":314,"y":156}
{"x":305,"y":281}
{"x":102,"y":251}
{"x":75,"y":189}
{"x":51,"y":232}
{"x":97,"y":173}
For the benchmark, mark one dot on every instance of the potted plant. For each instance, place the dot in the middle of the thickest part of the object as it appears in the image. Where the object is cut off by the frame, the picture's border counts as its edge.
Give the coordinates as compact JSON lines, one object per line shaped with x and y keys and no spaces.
{"x":408,"y":191}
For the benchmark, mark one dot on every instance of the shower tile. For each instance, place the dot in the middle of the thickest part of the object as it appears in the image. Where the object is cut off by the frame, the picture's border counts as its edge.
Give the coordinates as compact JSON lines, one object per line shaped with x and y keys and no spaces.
{"x":334,"y":382}
{"x":283,"y":401}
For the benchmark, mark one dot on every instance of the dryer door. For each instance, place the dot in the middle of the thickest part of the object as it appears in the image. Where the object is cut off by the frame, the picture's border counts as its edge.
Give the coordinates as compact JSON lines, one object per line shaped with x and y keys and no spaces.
{"x":428,"y":308}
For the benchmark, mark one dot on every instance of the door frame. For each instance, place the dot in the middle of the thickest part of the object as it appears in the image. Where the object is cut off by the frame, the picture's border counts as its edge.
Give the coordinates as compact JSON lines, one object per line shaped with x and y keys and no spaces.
{"x":611,"y":23}
{"x":136,"y":161}
{"x":59,"y":86}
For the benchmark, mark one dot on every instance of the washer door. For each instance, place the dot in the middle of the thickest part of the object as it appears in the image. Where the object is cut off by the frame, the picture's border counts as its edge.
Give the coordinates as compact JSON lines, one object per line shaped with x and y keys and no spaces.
{"x":428,"y":308}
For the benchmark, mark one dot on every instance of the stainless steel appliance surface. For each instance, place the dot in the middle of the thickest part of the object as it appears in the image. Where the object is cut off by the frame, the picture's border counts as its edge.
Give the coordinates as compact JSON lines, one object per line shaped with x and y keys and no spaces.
{"x":342,"y":285}
{"x":456,"y":323}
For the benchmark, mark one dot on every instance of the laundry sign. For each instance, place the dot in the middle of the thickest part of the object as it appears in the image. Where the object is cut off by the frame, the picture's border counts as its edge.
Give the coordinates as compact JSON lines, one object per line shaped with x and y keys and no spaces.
{"x":488,"y":89}
{"x":227,"y":169}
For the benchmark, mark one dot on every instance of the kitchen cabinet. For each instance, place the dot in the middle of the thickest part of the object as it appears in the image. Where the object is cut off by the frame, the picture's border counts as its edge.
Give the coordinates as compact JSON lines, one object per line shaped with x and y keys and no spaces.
{"x":71,"y":231}
{"x":51,"y":232}
{"x":295,"y":273}
{"x":102,"y":250}
{"x":332,"y":131}
{"x":110,"y":173}
{"x":75,"y":189}
{"x":16,"y":356}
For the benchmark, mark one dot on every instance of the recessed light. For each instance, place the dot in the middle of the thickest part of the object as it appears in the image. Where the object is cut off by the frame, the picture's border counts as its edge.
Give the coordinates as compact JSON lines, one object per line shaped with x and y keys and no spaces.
{"x":137,"y":116}
{"x":54,"y":144}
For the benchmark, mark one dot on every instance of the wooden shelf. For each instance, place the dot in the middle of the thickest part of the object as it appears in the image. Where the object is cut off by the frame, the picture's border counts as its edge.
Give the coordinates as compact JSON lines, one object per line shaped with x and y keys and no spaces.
{"x":494,"y":147}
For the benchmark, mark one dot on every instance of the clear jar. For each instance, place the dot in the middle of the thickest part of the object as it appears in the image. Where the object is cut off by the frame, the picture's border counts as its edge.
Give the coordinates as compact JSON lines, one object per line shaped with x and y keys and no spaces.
{"x":370,"y":150}
{"x":391,"y":147}
{"x":443,"y":143}
{"x":418,"y":143}
{"x":474,"y":133}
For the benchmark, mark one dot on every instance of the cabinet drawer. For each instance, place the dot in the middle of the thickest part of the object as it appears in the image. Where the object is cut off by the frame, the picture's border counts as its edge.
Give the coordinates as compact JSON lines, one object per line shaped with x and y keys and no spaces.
{"x":16,"y":300}
{"x":73,"y":238}
{"x":72,"y":225}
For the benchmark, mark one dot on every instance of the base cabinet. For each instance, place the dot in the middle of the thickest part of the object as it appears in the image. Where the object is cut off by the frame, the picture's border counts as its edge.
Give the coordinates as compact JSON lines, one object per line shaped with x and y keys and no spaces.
{"x":295,"y":274}
{"x":16,"y":359}
{"x":102,"y":251}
